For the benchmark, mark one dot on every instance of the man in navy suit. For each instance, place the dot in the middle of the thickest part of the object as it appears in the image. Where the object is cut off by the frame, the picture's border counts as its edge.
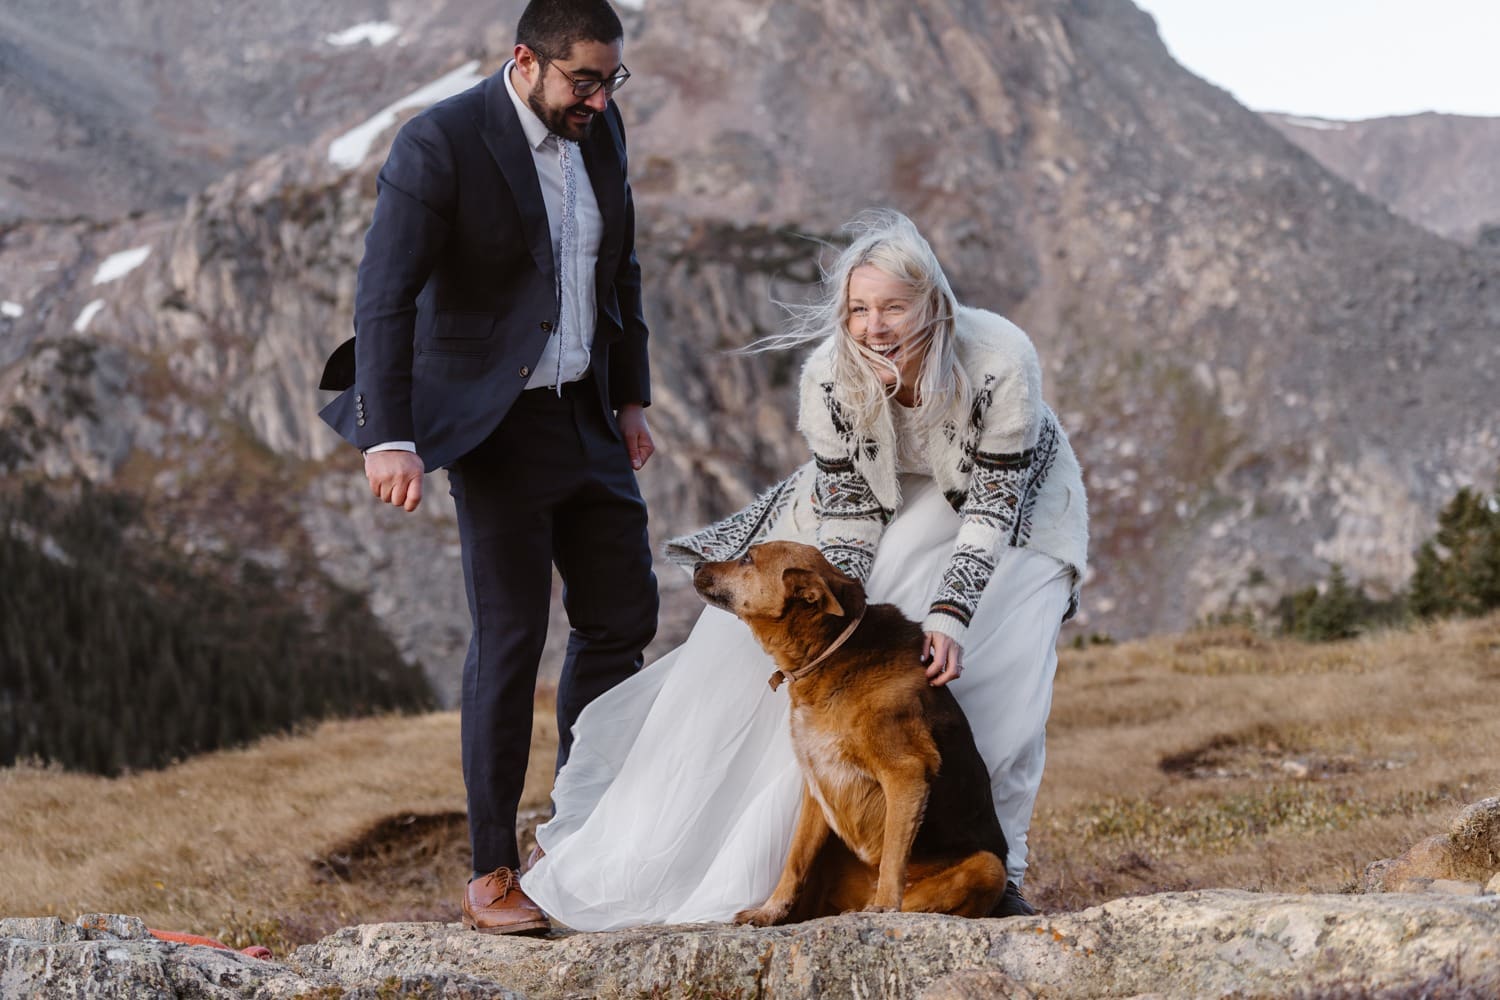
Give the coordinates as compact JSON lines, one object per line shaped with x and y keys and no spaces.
{"x":499,"y":334}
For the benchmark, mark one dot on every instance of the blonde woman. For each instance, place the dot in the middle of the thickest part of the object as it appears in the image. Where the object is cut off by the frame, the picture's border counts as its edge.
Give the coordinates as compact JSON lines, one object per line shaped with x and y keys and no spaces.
{"x":942,"y":481}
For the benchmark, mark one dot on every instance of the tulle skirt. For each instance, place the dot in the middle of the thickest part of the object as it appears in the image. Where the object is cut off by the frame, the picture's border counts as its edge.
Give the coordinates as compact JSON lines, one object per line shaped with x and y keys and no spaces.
{"x":679,"y":797}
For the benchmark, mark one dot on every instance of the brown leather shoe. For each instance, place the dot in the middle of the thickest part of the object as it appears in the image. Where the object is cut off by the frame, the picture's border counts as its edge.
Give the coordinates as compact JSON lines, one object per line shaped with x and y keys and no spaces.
{"x":495,"y":904}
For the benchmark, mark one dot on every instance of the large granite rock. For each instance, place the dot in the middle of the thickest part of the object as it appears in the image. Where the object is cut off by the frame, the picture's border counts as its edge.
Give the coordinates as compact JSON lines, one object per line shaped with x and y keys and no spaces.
{"x":1198,"y":944}
{"x":1462,"y":860}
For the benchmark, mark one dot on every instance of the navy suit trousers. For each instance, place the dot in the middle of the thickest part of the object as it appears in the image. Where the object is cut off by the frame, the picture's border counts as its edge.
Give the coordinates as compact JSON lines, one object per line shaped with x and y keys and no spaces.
{"x":551,"y":486}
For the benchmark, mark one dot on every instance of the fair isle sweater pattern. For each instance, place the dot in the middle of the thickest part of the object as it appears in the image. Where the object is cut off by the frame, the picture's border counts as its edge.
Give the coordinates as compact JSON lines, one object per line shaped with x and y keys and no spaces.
{"x":730,"y":538}
{"x":997,"y":510}
{"x":1002,"y":500}
{"x":841,"y":495}
{"x":1005,"y":466}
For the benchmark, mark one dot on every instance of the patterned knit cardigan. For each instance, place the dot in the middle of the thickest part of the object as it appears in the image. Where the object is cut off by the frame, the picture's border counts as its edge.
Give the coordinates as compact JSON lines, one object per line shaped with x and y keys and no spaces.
{"x":1005,"y":466}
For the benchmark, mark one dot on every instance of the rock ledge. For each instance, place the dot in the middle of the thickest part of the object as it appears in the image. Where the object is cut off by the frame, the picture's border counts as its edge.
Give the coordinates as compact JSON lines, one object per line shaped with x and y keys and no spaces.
{"x":1196,"y":944}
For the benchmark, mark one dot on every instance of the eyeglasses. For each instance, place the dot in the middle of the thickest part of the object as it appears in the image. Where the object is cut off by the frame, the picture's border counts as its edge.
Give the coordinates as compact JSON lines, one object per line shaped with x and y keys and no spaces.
{"x":587,"y":88}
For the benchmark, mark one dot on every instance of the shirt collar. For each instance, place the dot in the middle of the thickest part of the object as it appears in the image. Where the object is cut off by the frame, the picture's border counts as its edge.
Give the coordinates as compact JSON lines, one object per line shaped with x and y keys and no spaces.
{"x":536,"y":132}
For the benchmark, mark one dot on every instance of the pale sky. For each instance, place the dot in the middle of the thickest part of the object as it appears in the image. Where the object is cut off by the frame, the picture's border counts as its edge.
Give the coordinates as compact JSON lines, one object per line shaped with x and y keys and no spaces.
{"x":1341,"y":58}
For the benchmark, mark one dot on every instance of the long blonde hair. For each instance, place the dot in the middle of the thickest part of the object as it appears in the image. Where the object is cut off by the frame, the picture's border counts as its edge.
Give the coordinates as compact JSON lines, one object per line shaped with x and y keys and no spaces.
{"x":888,"y":241}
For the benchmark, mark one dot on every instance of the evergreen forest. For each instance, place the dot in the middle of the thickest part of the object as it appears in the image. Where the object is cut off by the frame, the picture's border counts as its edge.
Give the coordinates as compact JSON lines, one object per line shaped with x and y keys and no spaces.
{"x":118,"y":652}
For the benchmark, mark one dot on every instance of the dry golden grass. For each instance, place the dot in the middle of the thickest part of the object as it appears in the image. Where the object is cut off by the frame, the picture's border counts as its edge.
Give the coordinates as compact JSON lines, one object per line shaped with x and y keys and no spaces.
{"x":1221,"y":758}
{"x":278,"y":844}
{"x":1211,"y":759}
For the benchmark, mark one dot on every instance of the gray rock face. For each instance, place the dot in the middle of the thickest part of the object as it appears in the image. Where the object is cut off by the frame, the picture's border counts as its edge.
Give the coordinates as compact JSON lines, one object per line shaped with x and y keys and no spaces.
{"x":1198,"y":944}
{"x":1262,"y":370}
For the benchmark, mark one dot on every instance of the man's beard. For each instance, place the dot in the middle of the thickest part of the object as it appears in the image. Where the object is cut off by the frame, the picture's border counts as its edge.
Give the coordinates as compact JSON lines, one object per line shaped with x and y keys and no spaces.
{"x":556,"y":119}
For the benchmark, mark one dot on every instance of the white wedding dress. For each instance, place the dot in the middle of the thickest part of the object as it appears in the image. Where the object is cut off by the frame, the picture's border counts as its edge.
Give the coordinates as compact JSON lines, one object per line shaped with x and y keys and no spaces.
{"x":681,"y":791}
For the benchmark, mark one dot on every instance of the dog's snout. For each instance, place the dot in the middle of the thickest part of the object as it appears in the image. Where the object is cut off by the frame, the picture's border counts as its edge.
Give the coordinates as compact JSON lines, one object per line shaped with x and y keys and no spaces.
{"x":703,"y":581}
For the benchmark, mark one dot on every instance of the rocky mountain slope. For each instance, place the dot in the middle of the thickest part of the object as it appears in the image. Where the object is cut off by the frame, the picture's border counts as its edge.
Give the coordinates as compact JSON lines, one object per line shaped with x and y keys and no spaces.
{"x":111,"y":109}
{"x":1263,"y":371}
{"x":1435,"y":170}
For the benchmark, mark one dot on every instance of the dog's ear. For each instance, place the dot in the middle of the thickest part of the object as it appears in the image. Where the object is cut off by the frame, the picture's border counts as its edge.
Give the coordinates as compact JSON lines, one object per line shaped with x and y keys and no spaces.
{"x":809,"y":587}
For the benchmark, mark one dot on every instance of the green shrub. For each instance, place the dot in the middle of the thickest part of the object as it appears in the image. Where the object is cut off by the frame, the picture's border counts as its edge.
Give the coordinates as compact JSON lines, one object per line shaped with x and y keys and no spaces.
{"x":1337,"y":610}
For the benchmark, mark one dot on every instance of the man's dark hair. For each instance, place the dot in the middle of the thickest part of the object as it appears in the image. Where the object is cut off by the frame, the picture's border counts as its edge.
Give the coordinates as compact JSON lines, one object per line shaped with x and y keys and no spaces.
{"x":551,"y":27}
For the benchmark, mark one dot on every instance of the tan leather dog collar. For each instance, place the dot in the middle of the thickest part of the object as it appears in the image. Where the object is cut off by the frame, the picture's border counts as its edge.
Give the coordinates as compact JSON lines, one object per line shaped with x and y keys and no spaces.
{"x":800,"y":672}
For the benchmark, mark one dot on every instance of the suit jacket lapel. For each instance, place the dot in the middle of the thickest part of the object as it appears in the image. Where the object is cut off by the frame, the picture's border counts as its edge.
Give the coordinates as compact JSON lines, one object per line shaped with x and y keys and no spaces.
{"x":506,"y":141}
{"x":601,"y":156}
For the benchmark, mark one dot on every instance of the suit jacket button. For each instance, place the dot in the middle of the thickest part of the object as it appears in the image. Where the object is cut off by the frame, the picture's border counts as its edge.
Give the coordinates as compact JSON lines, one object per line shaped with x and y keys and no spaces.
{"x":360,"y":422}
{"x":359,"y":397}
{"x":525,"y":371}
{"x":546,"y":327}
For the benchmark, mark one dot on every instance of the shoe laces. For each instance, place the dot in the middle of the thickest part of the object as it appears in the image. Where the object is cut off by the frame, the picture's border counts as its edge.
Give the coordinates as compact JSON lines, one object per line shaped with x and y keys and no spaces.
{"x":504,"y":881}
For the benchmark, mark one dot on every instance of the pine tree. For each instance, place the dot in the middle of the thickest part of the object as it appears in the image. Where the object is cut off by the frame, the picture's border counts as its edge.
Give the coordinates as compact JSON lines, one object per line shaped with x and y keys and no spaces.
{"x":1335,"y":613}
{"x":1458,"y":569}
{"x":1429,"y":595}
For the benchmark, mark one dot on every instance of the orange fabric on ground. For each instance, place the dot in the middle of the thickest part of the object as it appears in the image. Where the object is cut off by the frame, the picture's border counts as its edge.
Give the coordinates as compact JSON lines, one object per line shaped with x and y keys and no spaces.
{"x":177,"y":937}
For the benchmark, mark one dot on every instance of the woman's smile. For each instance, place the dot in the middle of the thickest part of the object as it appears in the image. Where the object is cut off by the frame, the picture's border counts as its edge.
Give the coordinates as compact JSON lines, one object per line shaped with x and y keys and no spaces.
{"x":883,"y":321}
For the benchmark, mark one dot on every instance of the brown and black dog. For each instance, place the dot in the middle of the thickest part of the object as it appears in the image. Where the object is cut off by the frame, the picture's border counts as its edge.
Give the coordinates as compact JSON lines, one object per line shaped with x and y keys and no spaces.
{"x":888,"y":761}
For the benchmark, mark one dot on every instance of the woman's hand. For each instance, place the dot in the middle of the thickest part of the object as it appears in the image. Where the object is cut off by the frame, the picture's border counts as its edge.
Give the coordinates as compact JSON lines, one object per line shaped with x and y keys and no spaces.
{"x":944,"y":658}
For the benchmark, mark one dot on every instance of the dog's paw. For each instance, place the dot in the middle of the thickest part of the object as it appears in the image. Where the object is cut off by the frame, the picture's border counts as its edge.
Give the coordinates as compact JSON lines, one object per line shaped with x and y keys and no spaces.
{"x":880,"y":909}
{"x":760,"y":916}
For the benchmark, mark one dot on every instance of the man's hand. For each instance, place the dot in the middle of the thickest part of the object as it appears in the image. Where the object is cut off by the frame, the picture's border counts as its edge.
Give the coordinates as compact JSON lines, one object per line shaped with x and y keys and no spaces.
{"x":637,"y":435}
{"x":395,"y":477}
{"x":944,"y":658}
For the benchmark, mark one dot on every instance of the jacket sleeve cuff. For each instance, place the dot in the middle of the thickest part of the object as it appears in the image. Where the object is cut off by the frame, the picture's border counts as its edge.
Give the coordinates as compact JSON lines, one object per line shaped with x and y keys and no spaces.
{"x":946,"y":624}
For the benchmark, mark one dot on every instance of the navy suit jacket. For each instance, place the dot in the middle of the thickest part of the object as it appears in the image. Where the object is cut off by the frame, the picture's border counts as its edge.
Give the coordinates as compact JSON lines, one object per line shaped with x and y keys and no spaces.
{"x":457,"y":293}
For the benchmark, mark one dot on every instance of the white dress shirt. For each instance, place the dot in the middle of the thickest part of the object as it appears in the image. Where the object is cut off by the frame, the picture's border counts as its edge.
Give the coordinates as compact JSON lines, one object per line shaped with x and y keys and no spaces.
{"x":573,"y":336}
